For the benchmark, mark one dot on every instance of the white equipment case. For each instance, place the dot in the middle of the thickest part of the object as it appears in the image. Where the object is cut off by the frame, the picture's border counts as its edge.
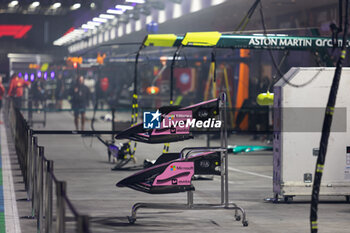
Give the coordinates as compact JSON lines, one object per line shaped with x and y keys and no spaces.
{"x":298,"y":119}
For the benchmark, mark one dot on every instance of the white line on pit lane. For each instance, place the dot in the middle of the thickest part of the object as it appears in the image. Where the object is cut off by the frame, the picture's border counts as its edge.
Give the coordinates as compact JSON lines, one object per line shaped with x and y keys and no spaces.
{"x":249,"y":173}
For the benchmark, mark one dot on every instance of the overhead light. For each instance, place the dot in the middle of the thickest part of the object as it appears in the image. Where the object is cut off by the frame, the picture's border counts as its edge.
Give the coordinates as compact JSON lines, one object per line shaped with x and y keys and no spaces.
{"x":86,"y":26}
{"x":177,"y":11}
{"x":93,"y":23}
{"x":56,"y":5}
{"x":34,"y":4}
{"x":13,"y":4}
{"x":101,"y":20}
{"x":115,"y":12}
{"x":75,"y":6}
{"x":106,"y":16}
{"x":136,"y":1}
{"x":152,"y":90}
{"x":75,"y":33}
{"x":78,"y":31}
{"x":124,"y":7}
{"x":72,"y":35}
{"x":217,"y":2}
{"x":92,"y":5}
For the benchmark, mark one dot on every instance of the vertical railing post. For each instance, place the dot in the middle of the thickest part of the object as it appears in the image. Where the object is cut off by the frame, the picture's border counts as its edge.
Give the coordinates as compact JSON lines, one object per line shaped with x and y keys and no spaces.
{"x":222,"y":169}
{"x":38,"y":178}
{"x":30,"y":111}
{"x":36,"y":195}
{"x":31,"y":186}
{"x":83,"y":224}
{"x":40,"y":189}
{"x":44,"y":124}
{"x":60,"y":208}
{"x":224,"y":145}
{"x":190,"y":198}
{"x":12,"y":119}
{"x":224,"y":157}
{"x":48,"y":198}
{"x":35,"y":174}
{"x":29,"y":166}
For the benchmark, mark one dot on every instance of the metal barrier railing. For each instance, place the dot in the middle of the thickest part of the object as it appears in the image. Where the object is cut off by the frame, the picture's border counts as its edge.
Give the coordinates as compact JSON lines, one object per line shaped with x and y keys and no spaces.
{"x":40,"y":179}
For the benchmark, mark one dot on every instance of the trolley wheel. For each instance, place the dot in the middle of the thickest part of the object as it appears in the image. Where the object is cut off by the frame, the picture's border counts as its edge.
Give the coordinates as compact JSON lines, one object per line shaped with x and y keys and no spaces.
{"x":238,"y":218}
{"x":131,"y":220}
{"x":245,"y":223}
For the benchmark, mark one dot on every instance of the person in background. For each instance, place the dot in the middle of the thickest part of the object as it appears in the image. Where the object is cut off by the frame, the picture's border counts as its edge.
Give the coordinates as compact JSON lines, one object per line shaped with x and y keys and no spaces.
{"x":59,"y":91}
{"x":104,"y":85}
{"x":80,"y":96}
{"x":2,"y":92}
{"x":16,"y":89}
{"x":38,"y":92}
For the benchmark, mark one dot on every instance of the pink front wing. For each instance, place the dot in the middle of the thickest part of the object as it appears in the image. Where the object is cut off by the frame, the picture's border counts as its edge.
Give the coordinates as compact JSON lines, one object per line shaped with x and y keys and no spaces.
{"x":177,"y":173}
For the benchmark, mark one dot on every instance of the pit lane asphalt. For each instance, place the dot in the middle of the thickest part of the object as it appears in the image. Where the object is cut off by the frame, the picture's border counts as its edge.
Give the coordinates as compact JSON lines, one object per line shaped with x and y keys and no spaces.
{"x":82,"y":162}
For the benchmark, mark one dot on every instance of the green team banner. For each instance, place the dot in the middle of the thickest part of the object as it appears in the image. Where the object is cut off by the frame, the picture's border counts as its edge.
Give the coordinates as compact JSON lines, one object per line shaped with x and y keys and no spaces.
{"x":219,"y":40}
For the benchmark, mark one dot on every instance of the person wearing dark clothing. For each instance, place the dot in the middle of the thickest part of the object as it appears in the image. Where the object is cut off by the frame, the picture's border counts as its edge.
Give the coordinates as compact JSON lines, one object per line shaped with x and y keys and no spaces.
{"x":38,"y":92}
{"x":248,"y":107}
{"x":258,"y":115}
{"x":59,"y":91}
{"x":80,"y":97}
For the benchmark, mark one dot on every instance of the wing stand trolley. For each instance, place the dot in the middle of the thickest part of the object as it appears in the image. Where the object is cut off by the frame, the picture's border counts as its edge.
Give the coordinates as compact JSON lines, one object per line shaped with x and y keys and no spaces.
{"x":175,"y":176}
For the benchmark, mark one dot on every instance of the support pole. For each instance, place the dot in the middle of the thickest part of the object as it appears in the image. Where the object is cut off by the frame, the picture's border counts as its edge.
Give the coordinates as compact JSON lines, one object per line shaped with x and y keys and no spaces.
{"x":40,"y":189}
{"x":83,"y":224}
{"x":30,"y":111}
{"x":224,"y":157}
{"x":48,"y":197}
{"x":29,"y":165}
{"x":222,"y":168}
{"x":224,"y":97}
{"x":61,"y":187}
{"x":113,"y":126}
{"x":190,"y":198}
{"x":35,"y":175}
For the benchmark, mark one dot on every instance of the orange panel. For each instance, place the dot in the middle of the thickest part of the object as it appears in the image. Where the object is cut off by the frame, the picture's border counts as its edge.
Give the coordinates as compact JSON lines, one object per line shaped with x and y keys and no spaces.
{"x":243,"y":87}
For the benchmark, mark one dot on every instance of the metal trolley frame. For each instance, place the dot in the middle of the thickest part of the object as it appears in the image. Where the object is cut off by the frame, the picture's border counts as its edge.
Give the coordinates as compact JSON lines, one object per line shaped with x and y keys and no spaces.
{"x":225,"y":203}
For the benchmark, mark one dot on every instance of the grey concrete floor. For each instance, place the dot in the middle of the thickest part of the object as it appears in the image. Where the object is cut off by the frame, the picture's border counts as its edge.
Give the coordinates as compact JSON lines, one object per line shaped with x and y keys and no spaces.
{"x":82,"y":162}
